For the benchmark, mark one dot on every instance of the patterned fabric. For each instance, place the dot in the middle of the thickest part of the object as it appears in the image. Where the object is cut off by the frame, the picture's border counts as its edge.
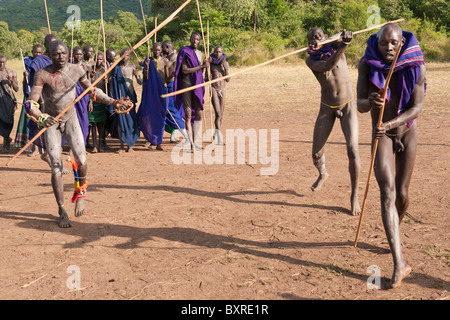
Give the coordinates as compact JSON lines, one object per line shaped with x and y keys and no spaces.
{"x":407,"y":66}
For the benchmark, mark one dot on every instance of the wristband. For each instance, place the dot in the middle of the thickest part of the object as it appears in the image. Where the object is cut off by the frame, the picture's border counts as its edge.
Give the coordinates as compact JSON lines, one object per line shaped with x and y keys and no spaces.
{"x":42,"y":118}
{"x":346,"y":43}
{"x":30,"y":104}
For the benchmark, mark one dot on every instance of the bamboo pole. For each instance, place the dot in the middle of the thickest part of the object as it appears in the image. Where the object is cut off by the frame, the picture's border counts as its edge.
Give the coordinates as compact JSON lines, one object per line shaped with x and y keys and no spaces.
{"x":206,"y":54}
{"x":137,"y":45}
{"x":48,"y":20}
{"x":145,"y":27}
{"x":375,"y":144}
{"x":209,"y":87}
{"x":104,"y":43}
{"x":270,"y":61}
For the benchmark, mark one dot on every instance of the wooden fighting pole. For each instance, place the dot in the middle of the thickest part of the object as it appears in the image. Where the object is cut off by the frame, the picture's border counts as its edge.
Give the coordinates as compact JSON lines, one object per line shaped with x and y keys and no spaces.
{"x":210,"y":90}
{"x":88,"y":89}
{"x":48,"y":20}
{"x":145,"y":27}
{"x":104,"y":42}
{"x":206,"y":56}
{"x":270,"y":61}
{"x":375,"y":144}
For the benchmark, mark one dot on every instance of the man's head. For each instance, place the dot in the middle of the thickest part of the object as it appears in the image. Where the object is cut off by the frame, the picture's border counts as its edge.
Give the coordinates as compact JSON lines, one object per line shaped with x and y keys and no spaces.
{"x":88,"y":52}
{"x":49,"y":39}
{"x":126,"y":56}
{"x":110,"y":55}
{"x":59,"y":54}
{"x":2,"y":63}
{"x":390,"y":40}
{"x":100,"y":60}
{"x":167,"y":47}
{"x":218,"y":52}
{"x":157,"y":50}
{"x":195,"y":40}
{"x":77,"y":54}
{"x":37,"y":50}
{"x":315,"y":35}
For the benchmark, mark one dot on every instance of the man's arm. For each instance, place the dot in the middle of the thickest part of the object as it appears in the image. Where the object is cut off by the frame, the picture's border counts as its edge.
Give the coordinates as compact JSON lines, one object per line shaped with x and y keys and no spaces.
{"x":14,"y":82}
{"x":366,"y":100}
{"x":327,"y":65}
{"x":187,"y":70}
{"x":414,"y":109}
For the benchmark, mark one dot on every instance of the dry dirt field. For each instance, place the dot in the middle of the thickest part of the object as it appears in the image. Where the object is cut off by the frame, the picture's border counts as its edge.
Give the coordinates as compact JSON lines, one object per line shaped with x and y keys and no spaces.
{"x":156,"y":230}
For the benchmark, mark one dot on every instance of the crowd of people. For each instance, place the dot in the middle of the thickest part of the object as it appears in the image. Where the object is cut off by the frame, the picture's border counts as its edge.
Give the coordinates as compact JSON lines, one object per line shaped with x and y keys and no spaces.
{"x":98,"y":120}
{"x":51,"y":84}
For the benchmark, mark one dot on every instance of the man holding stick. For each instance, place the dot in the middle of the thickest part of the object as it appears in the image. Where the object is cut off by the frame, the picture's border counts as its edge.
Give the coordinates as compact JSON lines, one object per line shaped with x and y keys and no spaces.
{"x":57,"y":84}
{"x":397,"y":135}
{"x":188,"y":72}
{"x":329,"y":66}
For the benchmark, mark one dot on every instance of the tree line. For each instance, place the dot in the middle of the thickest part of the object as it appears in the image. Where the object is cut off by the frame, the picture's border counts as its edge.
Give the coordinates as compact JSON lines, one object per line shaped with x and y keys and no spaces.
{"x":253,"y":31}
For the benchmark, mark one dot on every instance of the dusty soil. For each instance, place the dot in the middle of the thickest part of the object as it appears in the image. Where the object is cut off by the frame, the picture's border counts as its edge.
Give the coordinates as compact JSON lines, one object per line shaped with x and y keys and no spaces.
{"x":163,"y":231}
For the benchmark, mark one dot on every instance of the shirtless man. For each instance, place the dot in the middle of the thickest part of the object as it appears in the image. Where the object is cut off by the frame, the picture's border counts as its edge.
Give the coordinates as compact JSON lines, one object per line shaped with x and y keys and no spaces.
{"x":190,"y":65}
{"x":397,"y":135}
{"x":174,"y":118}
{"x":219,"y":69}
{"x":329,"y":66}
{"x":57,"y":84}
{"x":8,"y":83}
{"x":88,"y":55}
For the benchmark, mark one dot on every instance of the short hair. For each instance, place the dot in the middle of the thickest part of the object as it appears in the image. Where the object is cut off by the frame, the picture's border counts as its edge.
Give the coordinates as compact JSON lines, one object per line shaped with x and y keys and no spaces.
{"x":195,"y":33}
{"x":310,"y":32}
{"x":77,"y":48}
{"x":49,"y":39}
{"x":54,"y":44}
{"x":36,"y":46}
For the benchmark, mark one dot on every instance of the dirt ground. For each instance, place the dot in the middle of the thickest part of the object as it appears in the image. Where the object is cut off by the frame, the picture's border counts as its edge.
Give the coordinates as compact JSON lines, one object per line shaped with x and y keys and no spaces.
{"x":157,"y":230}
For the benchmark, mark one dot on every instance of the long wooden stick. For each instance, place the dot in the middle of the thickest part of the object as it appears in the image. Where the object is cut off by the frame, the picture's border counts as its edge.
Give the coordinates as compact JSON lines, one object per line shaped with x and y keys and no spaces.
{"x":375,"y":144}
{"x":104,"y":43}
{"x":137,"y":45}
{"x":145,"y":27}
{"x":48,"y":20}
{"x":270,"y":61}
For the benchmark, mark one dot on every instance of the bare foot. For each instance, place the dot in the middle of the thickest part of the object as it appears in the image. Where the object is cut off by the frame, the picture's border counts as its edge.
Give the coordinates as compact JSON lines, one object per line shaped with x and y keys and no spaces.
{"x":120,"y":151}
{"x":160,"y":148}
{"x":130,"y":149}
{"x":64,"y":221}
{"x":319,"y":182}
{"x":356,"y":209}
{"x":399,"y":275}
{"x":94,"y":150}
{"x":79,"y":207}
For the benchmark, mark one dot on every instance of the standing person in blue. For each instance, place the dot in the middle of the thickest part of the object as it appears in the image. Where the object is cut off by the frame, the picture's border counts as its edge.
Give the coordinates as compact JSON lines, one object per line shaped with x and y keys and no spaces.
{"x":22,"y":132}
{"x":219,"y":68}
{"x":153,"y":109}
{"x":8,"y":84}
{"x":174,"y":118}
{"x":125,"y":126}
{"x":329,"y":66}
{"x":397,"y":135}
{"x":84,"y":104}
{"x":188,"y":72}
